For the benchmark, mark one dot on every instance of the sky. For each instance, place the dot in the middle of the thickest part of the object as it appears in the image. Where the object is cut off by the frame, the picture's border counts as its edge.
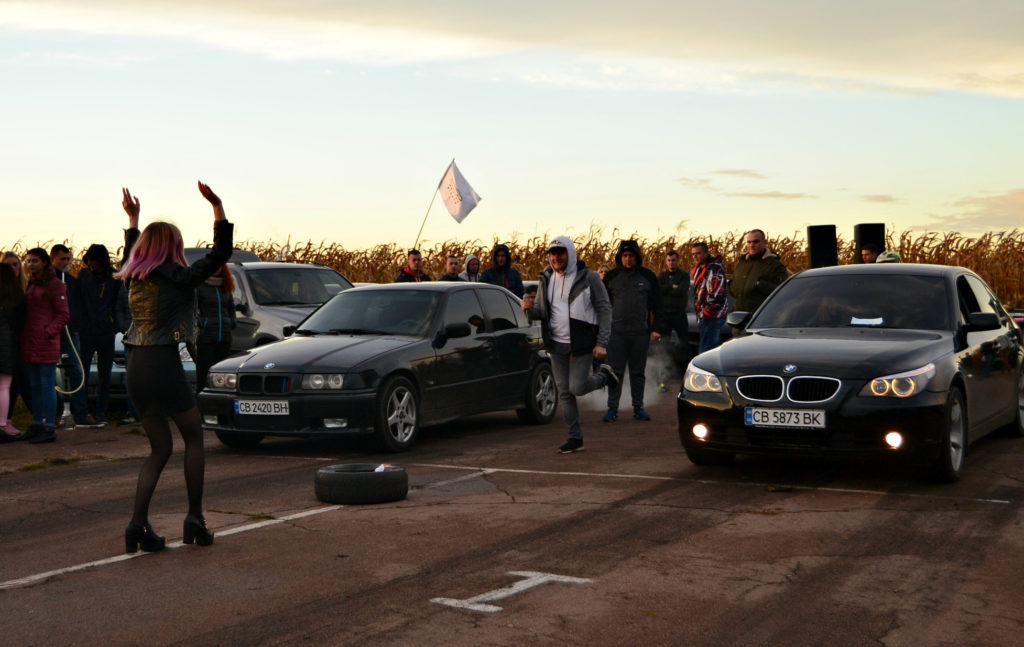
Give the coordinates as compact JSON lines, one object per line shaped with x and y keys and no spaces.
{"x":333,"y":120}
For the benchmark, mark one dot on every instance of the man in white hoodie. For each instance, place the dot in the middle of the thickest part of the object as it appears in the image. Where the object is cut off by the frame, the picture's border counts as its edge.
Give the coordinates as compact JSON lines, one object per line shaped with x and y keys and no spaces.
{"x":576,"y":317}
{"x":472,"y":273}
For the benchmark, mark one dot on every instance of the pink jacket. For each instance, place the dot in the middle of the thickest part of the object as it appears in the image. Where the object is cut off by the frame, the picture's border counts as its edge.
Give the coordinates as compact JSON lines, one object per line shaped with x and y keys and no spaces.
{"x":45,"y":319}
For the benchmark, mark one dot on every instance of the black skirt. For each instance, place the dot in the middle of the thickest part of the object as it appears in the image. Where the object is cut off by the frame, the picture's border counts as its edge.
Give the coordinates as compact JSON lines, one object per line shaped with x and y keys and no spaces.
{"x":156,"y":382}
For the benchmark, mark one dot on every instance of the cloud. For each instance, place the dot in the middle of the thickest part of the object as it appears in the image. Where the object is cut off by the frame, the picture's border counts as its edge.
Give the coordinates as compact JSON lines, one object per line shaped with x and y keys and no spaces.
{"x":975,"y":214}
{"x":696,"y":183}
{"x":645,"y":44}
{"x":880,"y":197}
{"x":741,"y":172}
{"x":772,"y":195}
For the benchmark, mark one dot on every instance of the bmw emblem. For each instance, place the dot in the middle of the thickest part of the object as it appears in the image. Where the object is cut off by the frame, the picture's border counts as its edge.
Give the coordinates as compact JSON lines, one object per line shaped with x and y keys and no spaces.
{"x":789,"y":368}
{"x":270,"y":365}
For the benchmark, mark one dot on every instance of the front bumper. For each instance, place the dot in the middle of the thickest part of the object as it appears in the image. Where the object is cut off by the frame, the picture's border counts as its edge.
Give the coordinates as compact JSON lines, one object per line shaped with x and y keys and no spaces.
{"x":306,"y":414}
{"x":855,"y":426}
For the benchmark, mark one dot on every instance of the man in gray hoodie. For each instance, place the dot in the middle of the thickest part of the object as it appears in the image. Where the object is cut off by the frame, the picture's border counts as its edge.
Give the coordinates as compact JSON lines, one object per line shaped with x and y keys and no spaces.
{"x":572,"y":306}
{"x":472,"y":272}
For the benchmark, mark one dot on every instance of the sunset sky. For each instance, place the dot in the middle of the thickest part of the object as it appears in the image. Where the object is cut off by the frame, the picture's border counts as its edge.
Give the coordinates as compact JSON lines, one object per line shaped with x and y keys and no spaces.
{"x":333,"y":120}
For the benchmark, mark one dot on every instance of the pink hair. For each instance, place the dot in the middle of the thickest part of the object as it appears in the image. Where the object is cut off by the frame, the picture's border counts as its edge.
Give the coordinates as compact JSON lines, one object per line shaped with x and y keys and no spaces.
{"x":159,"y":243}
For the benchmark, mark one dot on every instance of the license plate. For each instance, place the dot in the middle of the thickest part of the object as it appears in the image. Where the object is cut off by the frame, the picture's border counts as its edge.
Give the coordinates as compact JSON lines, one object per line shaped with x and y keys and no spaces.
{"x":802,"y":418}
{"x":261,"y":407}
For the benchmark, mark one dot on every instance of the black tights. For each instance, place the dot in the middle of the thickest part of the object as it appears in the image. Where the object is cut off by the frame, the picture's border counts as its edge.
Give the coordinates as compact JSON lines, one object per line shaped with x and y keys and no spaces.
{"x":158,"y":430}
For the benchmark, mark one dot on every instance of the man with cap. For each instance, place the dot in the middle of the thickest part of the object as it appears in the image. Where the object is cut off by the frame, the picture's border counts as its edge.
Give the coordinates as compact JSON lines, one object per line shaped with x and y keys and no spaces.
{"x":572,"y":306}
{"x":637,"y":320}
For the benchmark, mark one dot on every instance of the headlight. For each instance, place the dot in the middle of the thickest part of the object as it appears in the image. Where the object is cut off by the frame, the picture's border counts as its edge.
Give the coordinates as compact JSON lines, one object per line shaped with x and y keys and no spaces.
{"x":320,"y":381}
{"x":700,"y":381}
{"x":222,"y":380}
{"x":900,"y":385}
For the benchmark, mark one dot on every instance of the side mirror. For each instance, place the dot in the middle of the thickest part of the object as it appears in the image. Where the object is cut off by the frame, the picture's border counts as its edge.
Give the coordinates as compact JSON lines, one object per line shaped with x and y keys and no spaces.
{"x":451,"y":331}
{"x":737,"y":319}
{"x":289,"y":330}
{"x":241,"y":307}
{"x":978,"y":321}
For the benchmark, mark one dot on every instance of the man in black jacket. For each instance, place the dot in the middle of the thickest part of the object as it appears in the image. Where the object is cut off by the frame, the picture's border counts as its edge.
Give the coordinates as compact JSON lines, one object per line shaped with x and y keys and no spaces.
{"x":637,"y":320}
{"x":99,"y":292}
{"x":674,"y":284}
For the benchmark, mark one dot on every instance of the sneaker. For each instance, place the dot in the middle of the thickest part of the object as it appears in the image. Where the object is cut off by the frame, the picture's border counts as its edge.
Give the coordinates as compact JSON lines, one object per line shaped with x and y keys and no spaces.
{"x":101,"y":422}
{"x":663,"y":388}
{"x":129,"y":420}
{"x":47,"y":435}
{"x":611,"y":414}
{"x":640,"y":414}
{"x":33,"y":430}
{"x":572,"y":445}
{"x":87,"y":422}
{"x":611,"y":379}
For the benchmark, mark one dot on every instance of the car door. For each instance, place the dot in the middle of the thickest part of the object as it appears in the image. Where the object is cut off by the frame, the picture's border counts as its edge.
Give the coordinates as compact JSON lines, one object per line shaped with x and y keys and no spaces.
{"x":985,"y":361}
{"x":243,"y":337}
{"x":462,"y":363}
{"x":510,"y":356}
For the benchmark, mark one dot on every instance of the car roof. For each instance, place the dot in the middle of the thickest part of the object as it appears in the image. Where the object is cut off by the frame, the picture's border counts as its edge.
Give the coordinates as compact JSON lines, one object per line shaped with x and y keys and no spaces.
{"x":430,"y":286}
{"x":263,"y":265}
{"x":899,"y":269}
{"x":193,"y":254}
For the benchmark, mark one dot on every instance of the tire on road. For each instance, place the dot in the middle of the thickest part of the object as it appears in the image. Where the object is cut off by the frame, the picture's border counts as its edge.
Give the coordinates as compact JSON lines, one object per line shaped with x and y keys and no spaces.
{"x":541,"y":397}
{"x":949,"y":466}
{"x":360,"y":483}
{"x":397,"y":421}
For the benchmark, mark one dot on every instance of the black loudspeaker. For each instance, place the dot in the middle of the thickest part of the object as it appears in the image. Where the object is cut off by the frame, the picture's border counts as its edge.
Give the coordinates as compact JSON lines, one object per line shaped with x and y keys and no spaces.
{"x":821,"y":245}
{"x":871,"y":232}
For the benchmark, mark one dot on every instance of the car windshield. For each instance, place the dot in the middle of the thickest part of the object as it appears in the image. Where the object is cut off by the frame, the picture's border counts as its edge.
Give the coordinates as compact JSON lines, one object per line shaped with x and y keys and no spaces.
{"x":851,"y":300}
{"x":390,"y":312}
{"x":288,"y":286}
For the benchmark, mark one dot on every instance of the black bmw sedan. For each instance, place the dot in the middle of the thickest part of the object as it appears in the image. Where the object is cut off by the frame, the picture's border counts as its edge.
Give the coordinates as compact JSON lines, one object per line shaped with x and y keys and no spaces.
{"x":386,"y":360}
{"x":860,"y":361}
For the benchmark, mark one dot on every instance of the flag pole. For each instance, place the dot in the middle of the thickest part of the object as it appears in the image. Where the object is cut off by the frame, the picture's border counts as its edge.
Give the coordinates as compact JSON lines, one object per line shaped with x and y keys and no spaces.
{"x":432,"y":198}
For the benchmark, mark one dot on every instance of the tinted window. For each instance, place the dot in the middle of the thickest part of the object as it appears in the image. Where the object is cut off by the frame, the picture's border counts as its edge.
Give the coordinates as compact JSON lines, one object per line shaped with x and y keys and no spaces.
{"x":883,"y":301}
{"x":295,"y":285}
{"x":402,"y":312}
{"x":986,"y":301}
{"x":498,"y":310}
{"x":463,"y":307}
{"x":522,"y":321}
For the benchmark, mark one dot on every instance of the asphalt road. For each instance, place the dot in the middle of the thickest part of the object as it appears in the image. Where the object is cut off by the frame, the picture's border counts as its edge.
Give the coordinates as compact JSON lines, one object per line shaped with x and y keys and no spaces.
{"x":638,"y":546}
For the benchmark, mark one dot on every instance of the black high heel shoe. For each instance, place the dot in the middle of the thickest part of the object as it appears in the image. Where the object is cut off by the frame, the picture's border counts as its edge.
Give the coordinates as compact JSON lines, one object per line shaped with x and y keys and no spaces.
{"x":136,"y":535}
{"x":195,"y":531}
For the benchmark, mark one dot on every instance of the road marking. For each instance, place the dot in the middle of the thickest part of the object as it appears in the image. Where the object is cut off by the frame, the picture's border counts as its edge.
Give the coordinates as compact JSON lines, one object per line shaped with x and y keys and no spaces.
{"x":491,"y":470}
{"x":533,"y":579}
{"x":39,"y":577}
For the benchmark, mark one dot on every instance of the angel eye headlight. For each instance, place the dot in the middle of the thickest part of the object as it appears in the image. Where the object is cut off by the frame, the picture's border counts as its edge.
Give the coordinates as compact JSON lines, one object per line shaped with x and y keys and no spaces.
{"x":700,"y":381}
{"x":222,"y":380}
{"x":319,"y":381}
{"x":900,"y":385}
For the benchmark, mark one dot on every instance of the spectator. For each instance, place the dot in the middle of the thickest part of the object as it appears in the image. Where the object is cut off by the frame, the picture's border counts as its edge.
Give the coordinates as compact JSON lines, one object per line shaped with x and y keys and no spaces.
{"x":603,"y":270}
{"x":451,"y":270}
{"x":123,"y":320}
{"x":19,"y":383}
{"x":889,"y":256}
{"x":501,"y":273}
{"x":12,"y":320}
{"x":14,"y":261}
{"x":674,"y":285}
{"x":575,"y":316}
{"x":70,"y":338}
{"x":162,"y":299}
{"x":98,"y":290}
{"x":46,"y":305}
{"x":413,"y":270}
{"x":216,"y":309}
{"x":472,"y":273}
{"x":709,"y":297}
{"x":869,"y":252}
{"x":637,"y":320}
{"x":757,"y":273}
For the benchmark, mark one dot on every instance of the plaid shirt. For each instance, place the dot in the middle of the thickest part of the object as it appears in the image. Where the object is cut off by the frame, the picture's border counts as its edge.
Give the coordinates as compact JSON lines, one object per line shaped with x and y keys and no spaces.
{"x":709,"y":296}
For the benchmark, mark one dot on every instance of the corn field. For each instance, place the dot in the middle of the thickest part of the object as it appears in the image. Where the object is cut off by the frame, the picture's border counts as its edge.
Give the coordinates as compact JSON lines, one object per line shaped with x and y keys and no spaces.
{"x":997,"y":257}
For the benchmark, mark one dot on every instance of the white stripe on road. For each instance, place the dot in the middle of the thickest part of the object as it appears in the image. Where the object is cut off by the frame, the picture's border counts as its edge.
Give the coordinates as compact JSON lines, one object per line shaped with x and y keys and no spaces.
{"x":481,"y":471}
{"x":39,"y":577}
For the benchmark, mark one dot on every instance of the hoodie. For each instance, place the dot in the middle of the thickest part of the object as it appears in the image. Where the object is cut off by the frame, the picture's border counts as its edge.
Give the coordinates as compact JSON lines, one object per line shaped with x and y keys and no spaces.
{"x":98,"y":294}
{"x":503,"y":275}
{"x":465,"y":274}
{"x":635,"y":295}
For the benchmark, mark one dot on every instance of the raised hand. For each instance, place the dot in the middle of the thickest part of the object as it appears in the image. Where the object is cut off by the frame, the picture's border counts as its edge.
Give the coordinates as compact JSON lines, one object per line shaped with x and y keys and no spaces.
{"x":131,"y":207}
{"x":218,"y":209}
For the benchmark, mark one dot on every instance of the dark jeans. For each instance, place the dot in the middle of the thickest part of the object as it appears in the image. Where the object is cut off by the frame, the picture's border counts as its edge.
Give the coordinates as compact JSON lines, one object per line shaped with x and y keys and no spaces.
{"x":103,"y":346}
{"x":677,"y":323}
{"x":710,"y":333}
{"x":41,"y":379}
{"x":628,"y":350}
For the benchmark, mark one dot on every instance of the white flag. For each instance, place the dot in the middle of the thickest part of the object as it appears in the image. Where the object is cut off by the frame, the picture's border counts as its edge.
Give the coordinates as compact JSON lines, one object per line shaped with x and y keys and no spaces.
{"x":458,"y":196}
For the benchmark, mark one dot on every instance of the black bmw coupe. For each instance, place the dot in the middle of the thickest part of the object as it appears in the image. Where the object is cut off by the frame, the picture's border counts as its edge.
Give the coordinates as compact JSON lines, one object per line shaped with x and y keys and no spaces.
{"x":386,"y":360}
{"x":860,"y":361}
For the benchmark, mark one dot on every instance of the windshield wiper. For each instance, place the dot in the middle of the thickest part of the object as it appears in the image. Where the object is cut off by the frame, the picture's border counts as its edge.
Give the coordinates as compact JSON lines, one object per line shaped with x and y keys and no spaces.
{"x":306,"y":331}
{"x":285,"y":303}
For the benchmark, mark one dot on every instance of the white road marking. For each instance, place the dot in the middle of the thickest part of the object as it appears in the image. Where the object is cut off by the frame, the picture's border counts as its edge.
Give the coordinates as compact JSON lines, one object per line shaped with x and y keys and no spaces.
{"x":532,"y":579}
{"x":39,"y":577}
{"x":648,"y":477}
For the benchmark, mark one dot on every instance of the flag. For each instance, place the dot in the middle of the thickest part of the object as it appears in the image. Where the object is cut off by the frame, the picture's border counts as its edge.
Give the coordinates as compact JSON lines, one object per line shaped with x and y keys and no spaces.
{"x":458,"y":196}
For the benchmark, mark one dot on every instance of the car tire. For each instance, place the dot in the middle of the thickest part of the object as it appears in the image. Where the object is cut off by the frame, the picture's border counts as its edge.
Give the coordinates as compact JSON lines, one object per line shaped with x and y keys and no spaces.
{"x":949,"y":465}
{"x":360,"y":483}
{"x":397,"y":422}
{"x":239,"y":441}
{"x":708,"y":457}
{"x":541,"y":396}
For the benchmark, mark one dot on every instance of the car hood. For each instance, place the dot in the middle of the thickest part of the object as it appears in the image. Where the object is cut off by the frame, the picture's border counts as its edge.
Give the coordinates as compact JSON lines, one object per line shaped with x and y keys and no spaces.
{"x":292,"y":314}
{"x":325,"y":352}
{"x":851,"y":353}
